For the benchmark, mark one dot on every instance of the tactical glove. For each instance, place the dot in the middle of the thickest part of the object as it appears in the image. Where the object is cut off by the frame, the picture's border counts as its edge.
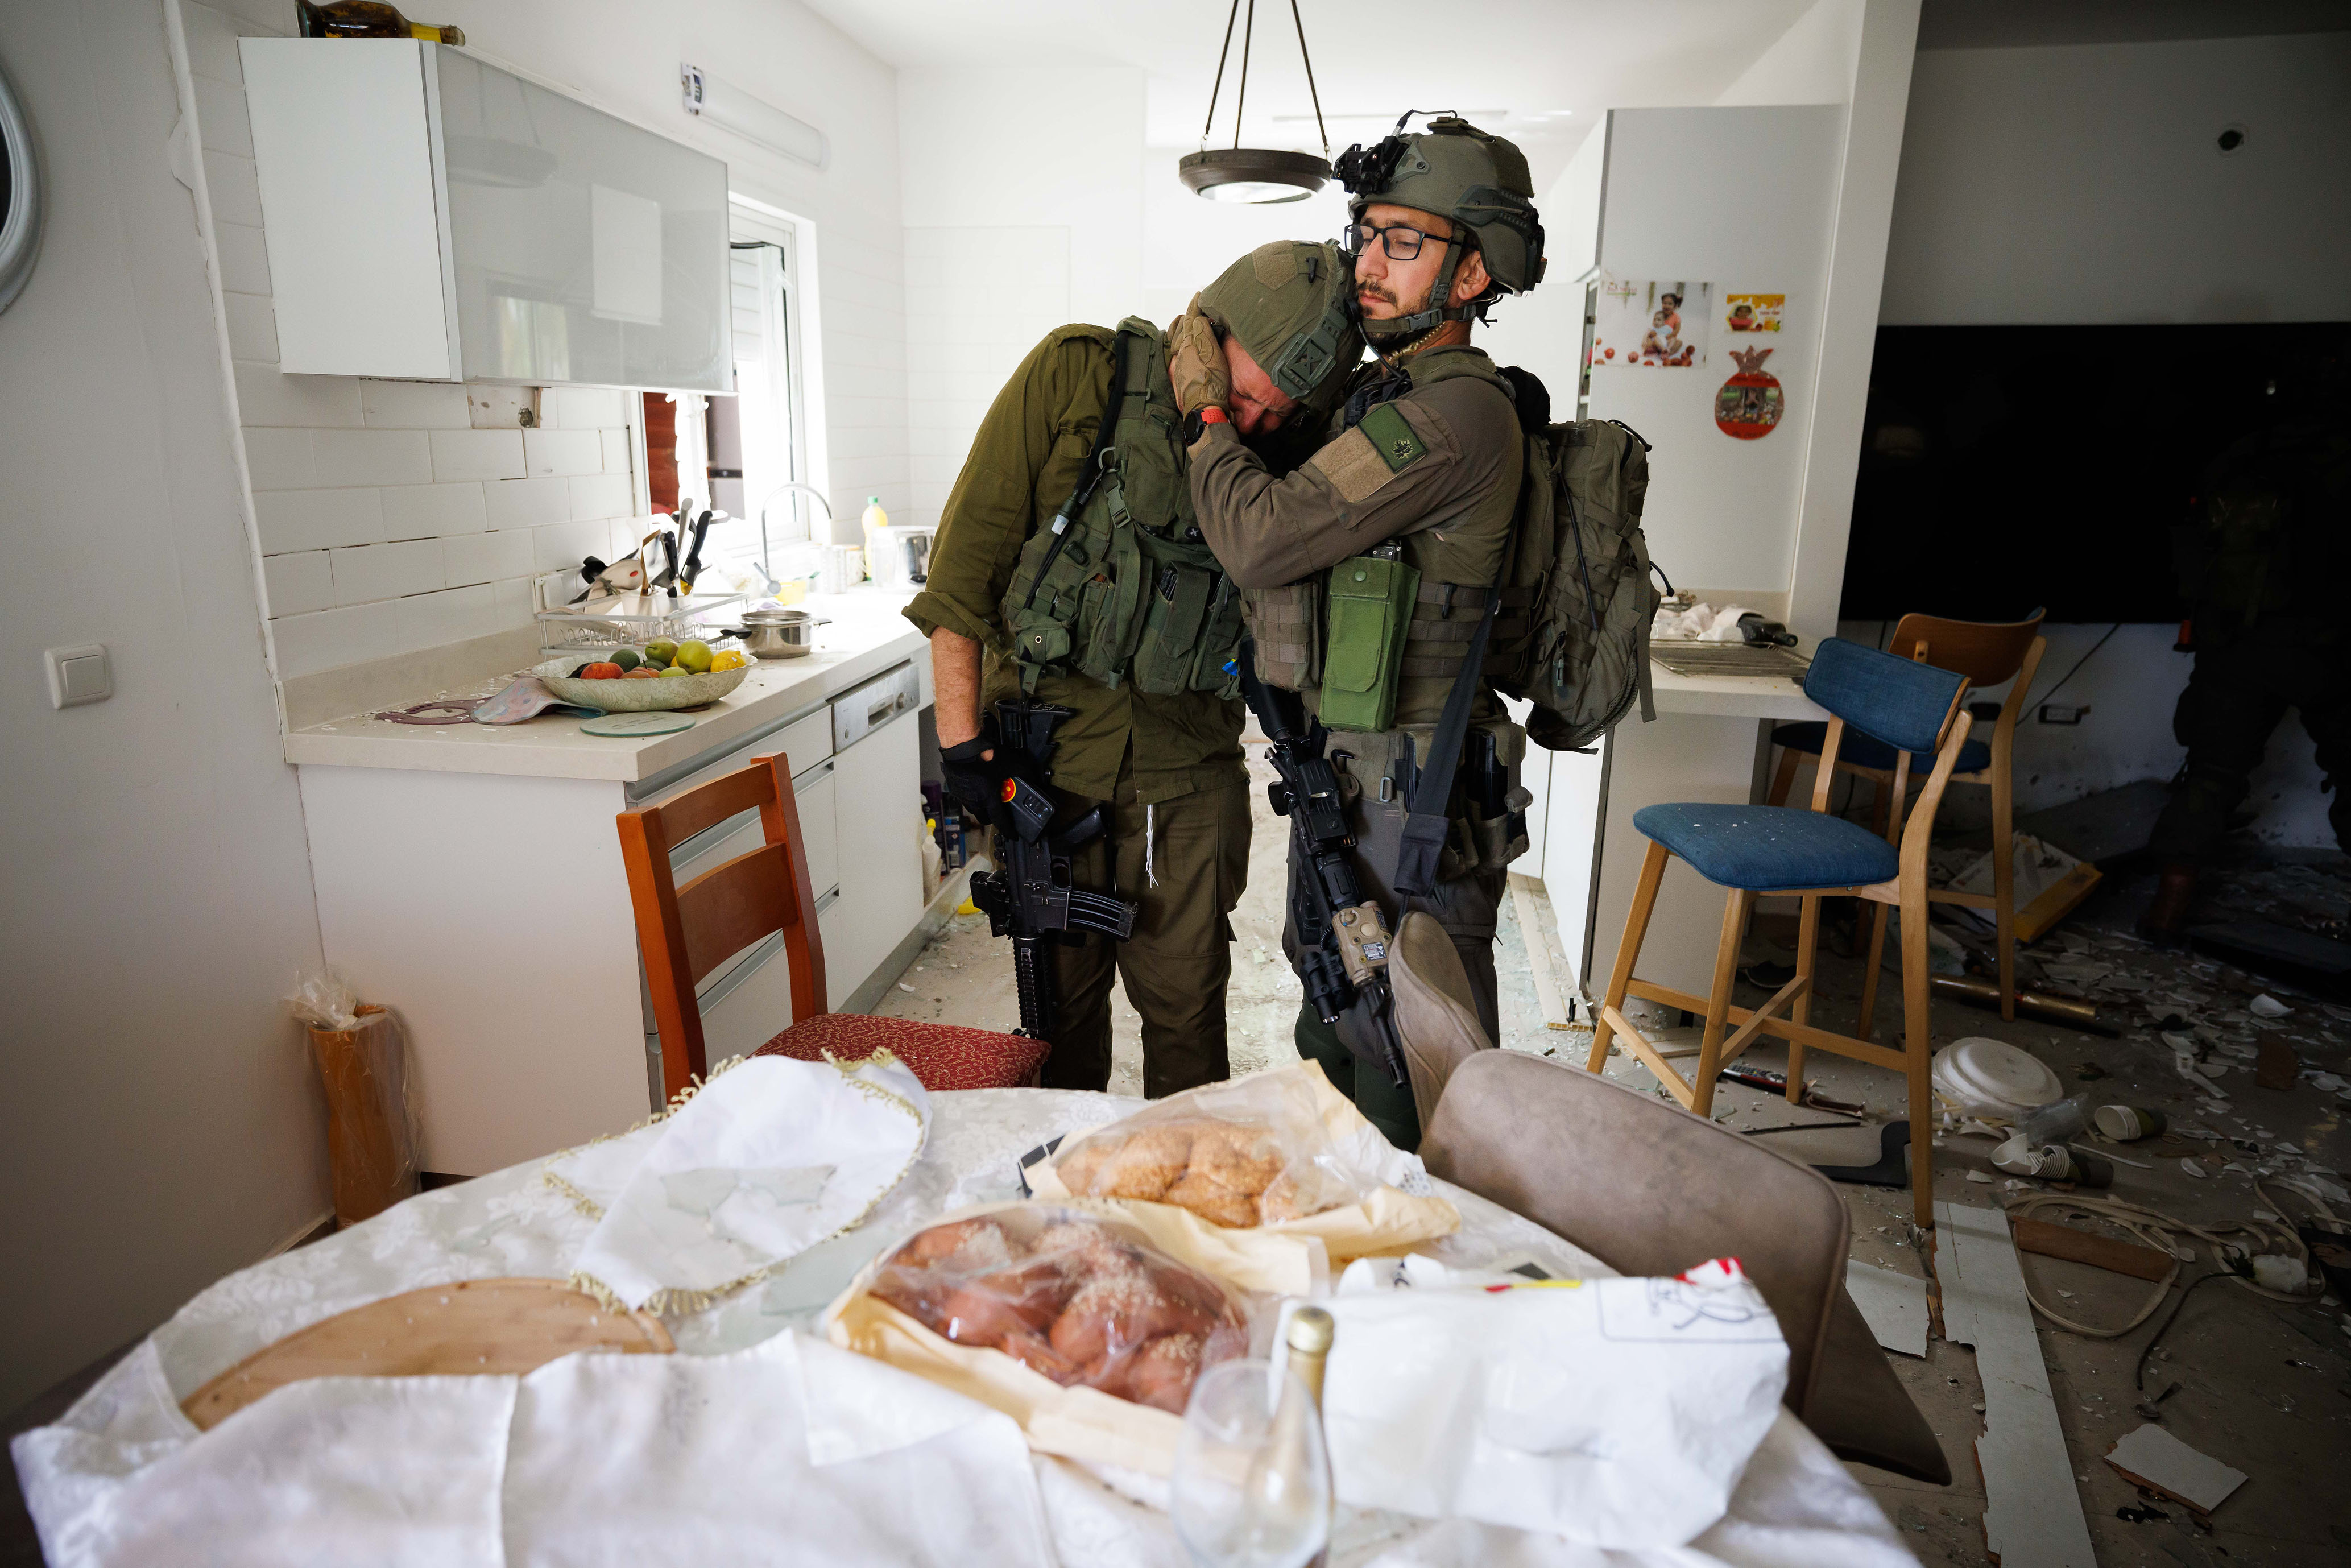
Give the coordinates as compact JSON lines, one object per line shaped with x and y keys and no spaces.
{"x":975,"y":782}
{"x":1196,"y":362}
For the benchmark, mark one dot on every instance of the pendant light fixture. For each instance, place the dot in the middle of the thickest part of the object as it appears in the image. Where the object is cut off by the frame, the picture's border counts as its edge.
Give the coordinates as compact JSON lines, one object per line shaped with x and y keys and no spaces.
{"x":1255,"y":174}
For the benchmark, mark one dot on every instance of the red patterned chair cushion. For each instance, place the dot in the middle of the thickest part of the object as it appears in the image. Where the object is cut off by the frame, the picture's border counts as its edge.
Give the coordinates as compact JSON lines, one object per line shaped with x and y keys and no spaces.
{"x":940,"y":1055}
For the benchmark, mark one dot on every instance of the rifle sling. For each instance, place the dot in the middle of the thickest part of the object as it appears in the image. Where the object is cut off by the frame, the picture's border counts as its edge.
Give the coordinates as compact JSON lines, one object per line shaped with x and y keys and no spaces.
{"x":1424,"y":823}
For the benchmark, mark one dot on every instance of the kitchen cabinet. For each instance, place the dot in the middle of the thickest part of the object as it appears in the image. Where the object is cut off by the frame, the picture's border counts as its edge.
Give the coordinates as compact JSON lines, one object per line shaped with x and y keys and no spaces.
{"x":429,"y":216}
{"x":471,"y":878}
{"x":879,"y":815}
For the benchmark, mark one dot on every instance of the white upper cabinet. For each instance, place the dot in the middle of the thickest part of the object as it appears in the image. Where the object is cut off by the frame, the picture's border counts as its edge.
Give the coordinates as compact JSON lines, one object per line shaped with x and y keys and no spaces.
{"x":434,"y":218}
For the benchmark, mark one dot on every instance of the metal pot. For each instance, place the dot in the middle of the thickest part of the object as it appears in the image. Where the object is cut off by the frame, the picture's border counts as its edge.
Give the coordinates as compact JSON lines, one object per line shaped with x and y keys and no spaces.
{"x":779,"y":633}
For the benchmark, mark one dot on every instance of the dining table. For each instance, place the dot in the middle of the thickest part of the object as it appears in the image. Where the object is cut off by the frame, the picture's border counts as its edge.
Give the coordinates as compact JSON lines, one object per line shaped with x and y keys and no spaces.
{"x":761,"y":1442}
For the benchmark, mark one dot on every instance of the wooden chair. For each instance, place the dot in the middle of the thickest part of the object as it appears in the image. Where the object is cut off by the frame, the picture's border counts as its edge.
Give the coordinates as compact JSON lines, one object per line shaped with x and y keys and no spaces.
{"x":1987,"y":655}
{"x":1651,"y":1190}
{"x":687,"y":932}
{"x":1777,"y":851}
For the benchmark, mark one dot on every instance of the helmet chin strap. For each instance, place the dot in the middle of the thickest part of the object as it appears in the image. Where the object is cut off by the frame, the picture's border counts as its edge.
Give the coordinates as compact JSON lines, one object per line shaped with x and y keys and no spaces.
{"x":1397,"y":335}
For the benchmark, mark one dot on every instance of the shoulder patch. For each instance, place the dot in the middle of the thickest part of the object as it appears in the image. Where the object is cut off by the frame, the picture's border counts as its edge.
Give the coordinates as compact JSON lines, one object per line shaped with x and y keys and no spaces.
{"x":1392,"y":437}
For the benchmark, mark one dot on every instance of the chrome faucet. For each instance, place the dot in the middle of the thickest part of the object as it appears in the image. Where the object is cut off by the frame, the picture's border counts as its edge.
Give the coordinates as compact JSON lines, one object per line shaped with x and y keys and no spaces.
{"x":765,"y":570}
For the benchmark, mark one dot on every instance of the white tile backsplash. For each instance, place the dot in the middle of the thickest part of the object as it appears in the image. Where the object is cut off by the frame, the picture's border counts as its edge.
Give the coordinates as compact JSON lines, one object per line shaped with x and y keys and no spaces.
{"x":298,"y":583}
{"x":221,"y":117}
{"x":428,"y":620}
{"x":563,"y":545}
{"x":432,"y":511}
{"x":212,"y":44}
{"x":414,"y":405}
{"x":309,"y":643}
{"x":388,"y":571}
{"x":616,"y":451}
{"x":372,"y":457}
{"x":527,"y":503}
{"x":235,"y":187}
{"x":309,"y":402}
{"x":244,"y":258}
{"x":280,"y":459}
{"x":477,"y":455}
{"x":583,"y":408}
{"x":556,"y":452}
{"x":252,"y":327}
{"x":487,"y":558}
{"x":317,"y":519}
{"x":601,"y":496}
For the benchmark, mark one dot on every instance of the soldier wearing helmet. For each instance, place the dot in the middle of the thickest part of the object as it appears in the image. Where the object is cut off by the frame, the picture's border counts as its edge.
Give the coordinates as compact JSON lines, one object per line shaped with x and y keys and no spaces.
{"x":1068,"y":568}
{"x":1424,"y":464}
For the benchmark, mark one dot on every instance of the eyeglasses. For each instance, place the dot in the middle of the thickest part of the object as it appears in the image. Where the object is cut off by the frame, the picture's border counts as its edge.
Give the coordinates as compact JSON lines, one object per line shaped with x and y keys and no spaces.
{"x":1401,"y":241}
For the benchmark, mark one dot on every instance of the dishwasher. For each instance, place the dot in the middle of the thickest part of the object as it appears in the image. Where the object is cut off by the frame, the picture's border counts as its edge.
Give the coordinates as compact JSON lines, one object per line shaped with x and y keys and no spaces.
{"x":849,"y":759}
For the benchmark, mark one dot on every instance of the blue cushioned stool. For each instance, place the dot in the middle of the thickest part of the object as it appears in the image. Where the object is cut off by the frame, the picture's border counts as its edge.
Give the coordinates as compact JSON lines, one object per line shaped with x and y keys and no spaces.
{"x":1909,"y":709}
{"x":1987,"y":654}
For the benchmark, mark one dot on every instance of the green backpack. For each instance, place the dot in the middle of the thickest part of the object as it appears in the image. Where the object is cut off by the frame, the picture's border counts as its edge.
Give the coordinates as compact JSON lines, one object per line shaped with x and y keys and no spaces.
{"x":1580,"y":564}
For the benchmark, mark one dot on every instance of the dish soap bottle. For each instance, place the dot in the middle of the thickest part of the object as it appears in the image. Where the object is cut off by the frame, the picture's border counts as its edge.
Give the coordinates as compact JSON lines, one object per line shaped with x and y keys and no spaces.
{"x":875,"y":521}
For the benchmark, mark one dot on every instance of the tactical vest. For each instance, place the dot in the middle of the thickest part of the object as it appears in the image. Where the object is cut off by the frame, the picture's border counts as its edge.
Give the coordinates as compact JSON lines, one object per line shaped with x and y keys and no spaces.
{"x":1291,"y":625}
{"x":1122,"y":587}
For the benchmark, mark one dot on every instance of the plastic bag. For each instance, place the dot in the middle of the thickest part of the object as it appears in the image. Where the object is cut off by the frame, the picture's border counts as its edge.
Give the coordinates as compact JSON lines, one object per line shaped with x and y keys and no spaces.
{"x":1250,"y":1151}
{"x":1065,"y":1295}
{"x":1071,"y":1322}
{"x":1619,"y":1413}
{"x":1280,"y":1150}
{"x":371,"y":1134}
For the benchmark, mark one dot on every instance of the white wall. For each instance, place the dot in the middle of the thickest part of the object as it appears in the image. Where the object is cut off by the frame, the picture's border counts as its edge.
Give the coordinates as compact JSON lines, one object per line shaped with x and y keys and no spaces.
{"x":1744,"y":198}
{"x":1812,"y":62}
{"x":2083,"y":185}
{"x":1023,"y":208}
{"x":1187,"y":241}
{"x":387,"y":524}
{"x":159,"y":1125}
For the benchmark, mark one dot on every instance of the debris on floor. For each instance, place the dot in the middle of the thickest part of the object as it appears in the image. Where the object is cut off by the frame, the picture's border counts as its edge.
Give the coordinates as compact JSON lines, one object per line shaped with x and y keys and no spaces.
{"x":2153,"y":1459}
{"x":1893,"y":1305}
{"x":2032,"y":1514}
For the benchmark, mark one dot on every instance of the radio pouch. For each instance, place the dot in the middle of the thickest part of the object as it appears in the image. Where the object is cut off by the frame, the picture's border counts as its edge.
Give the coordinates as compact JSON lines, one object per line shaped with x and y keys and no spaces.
{"x":1369,"y":607}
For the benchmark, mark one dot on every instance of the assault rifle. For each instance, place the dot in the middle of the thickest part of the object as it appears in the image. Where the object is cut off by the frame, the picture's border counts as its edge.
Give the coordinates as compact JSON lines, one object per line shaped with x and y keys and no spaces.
{"x":1342,"y":938}
{"x":1028,"y":898}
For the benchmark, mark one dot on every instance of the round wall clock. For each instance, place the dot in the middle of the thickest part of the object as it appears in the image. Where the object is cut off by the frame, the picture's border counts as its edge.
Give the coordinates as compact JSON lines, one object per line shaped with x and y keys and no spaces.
{"x":20,"y":196}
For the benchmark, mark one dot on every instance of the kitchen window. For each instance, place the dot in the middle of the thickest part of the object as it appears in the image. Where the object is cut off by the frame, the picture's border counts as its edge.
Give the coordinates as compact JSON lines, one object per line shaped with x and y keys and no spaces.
{"x":748,"y":447}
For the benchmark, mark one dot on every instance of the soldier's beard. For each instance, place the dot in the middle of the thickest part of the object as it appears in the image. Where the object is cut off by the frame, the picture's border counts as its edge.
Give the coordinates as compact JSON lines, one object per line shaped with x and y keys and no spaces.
{"x":1387,"y":297}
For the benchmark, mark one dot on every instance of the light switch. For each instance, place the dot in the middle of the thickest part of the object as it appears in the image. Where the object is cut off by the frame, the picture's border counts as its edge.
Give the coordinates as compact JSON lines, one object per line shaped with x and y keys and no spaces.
{"x":80,"y":674}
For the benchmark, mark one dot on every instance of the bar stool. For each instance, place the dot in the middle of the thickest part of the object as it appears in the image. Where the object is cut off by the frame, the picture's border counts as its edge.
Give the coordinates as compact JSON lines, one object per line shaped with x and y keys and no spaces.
{"x":1987,"y":654}
{"x":1780,"y":851}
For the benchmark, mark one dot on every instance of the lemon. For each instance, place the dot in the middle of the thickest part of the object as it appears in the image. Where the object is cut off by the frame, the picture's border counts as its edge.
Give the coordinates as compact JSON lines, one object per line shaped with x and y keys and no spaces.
{"x":693,"y":655}
{"x":727,"y":659}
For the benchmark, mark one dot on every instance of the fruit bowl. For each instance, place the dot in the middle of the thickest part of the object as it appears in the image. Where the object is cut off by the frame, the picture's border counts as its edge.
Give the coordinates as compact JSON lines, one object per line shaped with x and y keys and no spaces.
{"x":656,"y":695}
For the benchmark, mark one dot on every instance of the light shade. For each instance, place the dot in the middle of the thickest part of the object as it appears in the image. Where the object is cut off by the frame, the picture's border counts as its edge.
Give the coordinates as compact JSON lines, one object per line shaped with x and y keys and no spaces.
{"x":1250,"y":174}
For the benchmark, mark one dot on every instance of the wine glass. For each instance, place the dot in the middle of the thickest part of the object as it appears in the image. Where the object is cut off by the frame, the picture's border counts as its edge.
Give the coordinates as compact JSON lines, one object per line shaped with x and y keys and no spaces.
{"x":1252,"y":1482}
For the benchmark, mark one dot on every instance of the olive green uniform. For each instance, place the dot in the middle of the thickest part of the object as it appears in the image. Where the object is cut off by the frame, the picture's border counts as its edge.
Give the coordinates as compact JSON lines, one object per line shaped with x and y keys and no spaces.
{"x":2262,"y":565}
{"x":1432,"y":455}
{"x":1169,"y":766}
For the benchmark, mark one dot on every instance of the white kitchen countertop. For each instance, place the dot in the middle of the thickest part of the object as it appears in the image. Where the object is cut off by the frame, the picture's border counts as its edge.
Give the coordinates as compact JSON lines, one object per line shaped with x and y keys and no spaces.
{"x":1730,"y":696}
{"x":867,"y":636}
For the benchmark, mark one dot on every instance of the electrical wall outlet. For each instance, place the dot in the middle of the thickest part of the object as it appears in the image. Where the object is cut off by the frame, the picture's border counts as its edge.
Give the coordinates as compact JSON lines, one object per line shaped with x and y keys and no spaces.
{"x":2061,"y":713}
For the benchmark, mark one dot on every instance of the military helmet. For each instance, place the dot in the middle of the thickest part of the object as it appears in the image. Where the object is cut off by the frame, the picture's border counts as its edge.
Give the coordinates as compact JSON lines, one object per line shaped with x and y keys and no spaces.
{"x":1458,"y":171}
{"x":1290,"y":303}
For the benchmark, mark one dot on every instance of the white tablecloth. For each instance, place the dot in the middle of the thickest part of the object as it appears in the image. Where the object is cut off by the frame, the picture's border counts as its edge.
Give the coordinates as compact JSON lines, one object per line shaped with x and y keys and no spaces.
{"x":1795,"y":1508}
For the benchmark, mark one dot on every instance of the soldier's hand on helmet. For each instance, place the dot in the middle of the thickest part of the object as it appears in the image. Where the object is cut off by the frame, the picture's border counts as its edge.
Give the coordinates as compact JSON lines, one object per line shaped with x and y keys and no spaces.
{"x":1196,"y":362}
